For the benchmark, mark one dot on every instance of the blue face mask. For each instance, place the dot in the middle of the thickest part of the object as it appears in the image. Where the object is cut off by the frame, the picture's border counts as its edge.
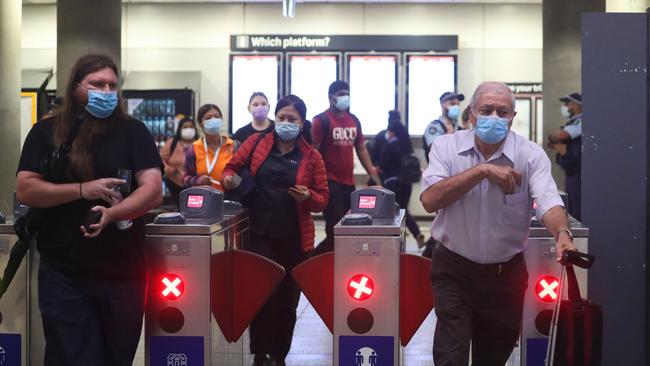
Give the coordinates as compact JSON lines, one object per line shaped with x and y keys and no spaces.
{"x":490,"y":129}
{"x":343,"y":102}
{"x":212,"y":126}
{"x":287,"y":130}
{"x":453,"y":112}
{"x":101,"y":104}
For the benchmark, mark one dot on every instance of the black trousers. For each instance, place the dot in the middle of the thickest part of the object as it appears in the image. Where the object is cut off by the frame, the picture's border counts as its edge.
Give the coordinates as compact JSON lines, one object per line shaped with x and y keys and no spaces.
{"x":402,"y":197}
{"x":272,"y":329}
{"x":90,"y":322}
{"x":476,"y":303}
{"x":337,"y":207}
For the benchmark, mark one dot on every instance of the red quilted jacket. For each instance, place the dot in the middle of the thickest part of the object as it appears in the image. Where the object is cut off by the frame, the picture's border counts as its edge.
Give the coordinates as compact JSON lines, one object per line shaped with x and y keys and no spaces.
{"x":311,"y":174}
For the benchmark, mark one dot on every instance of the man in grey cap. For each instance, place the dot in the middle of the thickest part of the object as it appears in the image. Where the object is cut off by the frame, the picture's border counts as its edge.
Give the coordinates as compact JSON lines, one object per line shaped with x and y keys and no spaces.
{"x":568,"y":144}
{"x":446,"y":123}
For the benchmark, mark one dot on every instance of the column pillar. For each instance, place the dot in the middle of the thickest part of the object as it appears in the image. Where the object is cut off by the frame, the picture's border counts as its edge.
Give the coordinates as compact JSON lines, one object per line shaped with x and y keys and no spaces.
{"x":562,"y":60}
{"x":86,"y":27}
{"x":10,"y":23}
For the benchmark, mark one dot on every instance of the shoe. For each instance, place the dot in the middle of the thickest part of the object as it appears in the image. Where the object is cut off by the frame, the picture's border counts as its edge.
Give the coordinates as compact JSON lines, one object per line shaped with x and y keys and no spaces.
{"x":278,"y":361}
{"x":420,"y":240}
{"x":263,"y":360}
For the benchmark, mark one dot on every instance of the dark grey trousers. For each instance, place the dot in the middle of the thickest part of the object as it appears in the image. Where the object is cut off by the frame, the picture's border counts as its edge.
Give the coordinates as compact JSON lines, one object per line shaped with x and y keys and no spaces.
{"x":476,"y":303}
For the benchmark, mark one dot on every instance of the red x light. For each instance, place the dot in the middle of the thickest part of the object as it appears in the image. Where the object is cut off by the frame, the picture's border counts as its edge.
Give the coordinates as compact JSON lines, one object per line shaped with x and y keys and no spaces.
{"x":547,"y":289}
{"x":171,"y":286}
{"x":361,"y":287}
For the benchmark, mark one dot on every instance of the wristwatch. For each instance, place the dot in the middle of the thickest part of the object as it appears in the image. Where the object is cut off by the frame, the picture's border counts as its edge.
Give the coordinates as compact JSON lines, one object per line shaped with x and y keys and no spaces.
{"x":567,"y":230}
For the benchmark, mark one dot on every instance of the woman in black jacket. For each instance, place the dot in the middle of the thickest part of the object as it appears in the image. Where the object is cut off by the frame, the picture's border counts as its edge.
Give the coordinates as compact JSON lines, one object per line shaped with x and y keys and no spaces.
{"x":398,"y":145}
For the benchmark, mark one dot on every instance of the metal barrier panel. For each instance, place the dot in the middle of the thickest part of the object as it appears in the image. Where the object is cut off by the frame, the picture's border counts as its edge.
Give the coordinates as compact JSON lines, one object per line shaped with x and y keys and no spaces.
{"x":178,"y":306}
{"x":35,"y":335}
{"x":14,"y":312}
{"x":179,"y":325}
{"x":544,"y":289}
{"x":366,"y":293}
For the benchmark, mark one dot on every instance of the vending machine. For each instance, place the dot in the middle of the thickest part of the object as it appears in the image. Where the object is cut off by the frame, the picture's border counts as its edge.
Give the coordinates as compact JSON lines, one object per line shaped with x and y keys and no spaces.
{"x":158,"y":98}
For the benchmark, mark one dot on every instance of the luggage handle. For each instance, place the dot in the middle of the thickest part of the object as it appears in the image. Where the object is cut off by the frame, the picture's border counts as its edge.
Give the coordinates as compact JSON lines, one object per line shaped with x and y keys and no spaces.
{"x":569,"y":258}
{"x":582,"y":260}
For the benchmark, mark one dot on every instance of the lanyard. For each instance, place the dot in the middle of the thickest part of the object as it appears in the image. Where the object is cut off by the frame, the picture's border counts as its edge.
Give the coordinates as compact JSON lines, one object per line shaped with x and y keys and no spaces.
{"x":208,"y":164}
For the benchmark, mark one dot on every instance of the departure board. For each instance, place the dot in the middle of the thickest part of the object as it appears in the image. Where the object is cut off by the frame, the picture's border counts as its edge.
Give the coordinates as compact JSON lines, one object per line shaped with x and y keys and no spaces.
{"x":310,"y":77}
{"x":249,"y":74}
{"x":521,"y":124}
{"x":373,"y":89}
{"x":428,"y":76}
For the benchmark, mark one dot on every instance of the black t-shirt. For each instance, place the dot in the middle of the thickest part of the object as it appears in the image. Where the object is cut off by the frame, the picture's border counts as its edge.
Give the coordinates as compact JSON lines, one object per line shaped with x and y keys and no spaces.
{"x":247,"y":131}
{"x":390,"y":160}
{"x":114,"y":253}
{"x":378,"y":146}
{"x":274,"y":213}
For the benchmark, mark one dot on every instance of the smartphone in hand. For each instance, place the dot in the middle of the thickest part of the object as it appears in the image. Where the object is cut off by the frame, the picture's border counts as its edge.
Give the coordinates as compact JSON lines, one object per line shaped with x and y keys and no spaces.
{"x":125,"y":175}
{"x":92,"y":217}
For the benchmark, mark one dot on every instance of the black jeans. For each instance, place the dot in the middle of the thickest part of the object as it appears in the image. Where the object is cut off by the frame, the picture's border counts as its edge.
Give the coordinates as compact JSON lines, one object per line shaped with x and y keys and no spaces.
{"x":402,"y":196}
{"x":271,"y":331}
{"x":90,"y":322}
{"x":337,"y":207}
{"x":478,"y":303}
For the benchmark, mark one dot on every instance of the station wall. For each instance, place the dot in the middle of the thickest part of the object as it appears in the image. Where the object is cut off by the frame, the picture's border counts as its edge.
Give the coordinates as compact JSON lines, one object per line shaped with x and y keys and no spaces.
{"x":496,"y":41}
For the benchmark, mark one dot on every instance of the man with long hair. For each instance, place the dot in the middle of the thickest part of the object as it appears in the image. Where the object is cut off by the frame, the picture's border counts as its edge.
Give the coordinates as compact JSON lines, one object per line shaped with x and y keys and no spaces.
{"x":92,"y":276}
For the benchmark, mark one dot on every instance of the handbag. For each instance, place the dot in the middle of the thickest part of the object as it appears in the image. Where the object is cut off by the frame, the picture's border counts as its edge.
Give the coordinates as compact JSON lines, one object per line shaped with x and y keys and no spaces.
{"x":245,"y":192}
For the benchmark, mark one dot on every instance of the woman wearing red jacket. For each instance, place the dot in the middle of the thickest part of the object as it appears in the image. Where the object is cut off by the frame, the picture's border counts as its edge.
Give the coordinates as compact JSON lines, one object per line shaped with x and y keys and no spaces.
{"x":291,"y":183}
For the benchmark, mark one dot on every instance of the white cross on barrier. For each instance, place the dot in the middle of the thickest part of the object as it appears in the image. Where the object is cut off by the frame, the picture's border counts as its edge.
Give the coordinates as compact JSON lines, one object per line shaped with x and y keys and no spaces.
{"x":361,"y":287}
{"x":548,"y":289}
{"x":171,"y":286}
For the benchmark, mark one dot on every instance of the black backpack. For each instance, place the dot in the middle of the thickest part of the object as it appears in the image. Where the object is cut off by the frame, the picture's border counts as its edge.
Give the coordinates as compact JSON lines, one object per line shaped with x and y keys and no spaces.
{"x":426,"y":147}
{"x":409,"y":169}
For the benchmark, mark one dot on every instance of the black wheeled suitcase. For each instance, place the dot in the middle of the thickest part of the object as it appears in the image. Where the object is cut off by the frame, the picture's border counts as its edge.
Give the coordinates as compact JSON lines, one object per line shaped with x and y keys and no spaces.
{"x":577,"y":327}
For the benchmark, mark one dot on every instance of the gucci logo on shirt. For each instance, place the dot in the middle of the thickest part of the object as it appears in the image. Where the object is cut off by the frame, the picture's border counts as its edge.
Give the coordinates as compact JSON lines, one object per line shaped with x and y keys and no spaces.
{"x":344,"y":135}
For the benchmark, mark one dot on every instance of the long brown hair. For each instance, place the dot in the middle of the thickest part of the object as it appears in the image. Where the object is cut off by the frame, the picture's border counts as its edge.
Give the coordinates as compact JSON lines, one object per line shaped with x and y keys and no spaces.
{"x":92,"y":129}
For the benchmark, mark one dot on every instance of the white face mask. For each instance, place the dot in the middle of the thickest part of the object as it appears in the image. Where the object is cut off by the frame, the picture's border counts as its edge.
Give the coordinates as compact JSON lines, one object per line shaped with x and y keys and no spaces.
{"x":564,"y":110}
{"x":188,"y":133}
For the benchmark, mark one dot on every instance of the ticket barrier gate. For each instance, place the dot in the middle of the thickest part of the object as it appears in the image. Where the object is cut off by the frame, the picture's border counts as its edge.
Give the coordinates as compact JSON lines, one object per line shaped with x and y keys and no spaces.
{"x":14,"y":305}
{"x":203,"y":290}
{"x":371,"y":295}
{"x":543,"y":288}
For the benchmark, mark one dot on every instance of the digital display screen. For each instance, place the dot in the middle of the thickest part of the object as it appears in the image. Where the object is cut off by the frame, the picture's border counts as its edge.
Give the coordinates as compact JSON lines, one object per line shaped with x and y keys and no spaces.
{"x":428,"y":77}
{"x":373,"y":82}
{"x":367,"y":201}
{"x":195,"y":201}
{"x":521,"y":124}
{"x":310,"y":77}
{"x":252,"y":73}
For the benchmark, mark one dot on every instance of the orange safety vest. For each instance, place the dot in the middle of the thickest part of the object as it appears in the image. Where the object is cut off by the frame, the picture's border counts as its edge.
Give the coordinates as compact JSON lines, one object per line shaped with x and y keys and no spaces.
{"x":226,"y":151}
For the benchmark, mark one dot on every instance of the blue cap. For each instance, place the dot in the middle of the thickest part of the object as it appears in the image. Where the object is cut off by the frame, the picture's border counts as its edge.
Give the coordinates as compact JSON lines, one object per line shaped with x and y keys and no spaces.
{"x":451,"y":95}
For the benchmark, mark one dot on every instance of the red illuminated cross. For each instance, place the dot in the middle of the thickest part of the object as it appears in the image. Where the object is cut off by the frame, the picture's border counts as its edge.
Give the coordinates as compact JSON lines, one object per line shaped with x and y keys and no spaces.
{"x":171,"y":287}
{"x":360,"y":287}
{"x":546,"y":289}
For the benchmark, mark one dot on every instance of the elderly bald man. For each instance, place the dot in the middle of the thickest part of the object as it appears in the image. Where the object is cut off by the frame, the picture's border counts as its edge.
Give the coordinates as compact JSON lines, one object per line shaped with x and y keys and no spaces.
{"x":482,"y":182}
